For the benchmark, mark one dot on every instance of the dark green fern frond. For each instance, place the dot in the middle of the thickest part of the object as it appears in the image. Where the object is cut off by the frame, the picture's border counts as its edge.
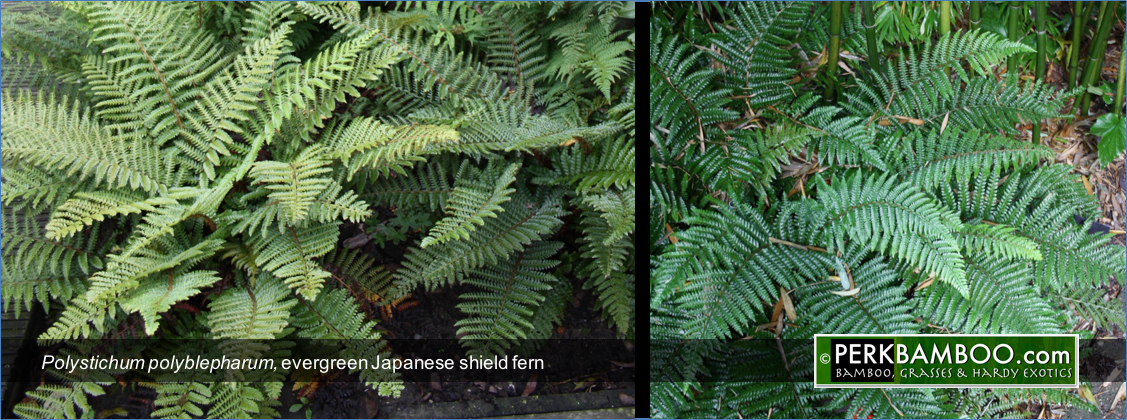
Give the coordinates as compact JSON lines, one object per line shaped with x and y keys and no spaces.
{"x":929,"y":158}
{"x":37,"y":267}
{"x":753,"y":52}
{"x":429,"y":185}
{"x":918,"y":87}
{"x":1001,"y":301}
{"x":1089,"y":304}
{"x":729,"y":256}
{"x":684,"y":105}
{"x":356,"y":266}
{"x":894,"y":219}
{"x":878,"y":308}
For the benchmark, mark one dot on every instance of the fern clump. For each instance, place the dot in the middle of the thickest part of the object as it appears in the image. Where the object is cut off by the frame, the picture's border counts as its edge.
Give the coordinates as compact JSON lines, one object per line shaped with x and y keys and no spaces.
{"x":904,"y":206}
{"x":184,"y":171}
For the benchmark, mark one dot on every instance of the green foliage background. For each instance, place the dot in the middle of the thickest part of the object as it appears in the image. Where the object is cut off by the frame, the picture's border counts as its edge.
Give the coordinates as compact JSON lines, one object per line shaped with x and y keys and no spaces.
{"x":207,"y":154}
{"x":901,"y":205}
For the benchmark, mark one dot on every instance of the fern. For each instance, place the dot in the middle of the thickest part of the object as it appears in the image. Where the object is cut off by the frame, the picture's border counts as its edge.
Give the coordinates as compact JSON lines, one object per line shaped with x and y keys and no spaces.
{"x":894,"y":187}
{"x":190,"y":168}
{"x":469,"y":203}
{"x":500,"y":316}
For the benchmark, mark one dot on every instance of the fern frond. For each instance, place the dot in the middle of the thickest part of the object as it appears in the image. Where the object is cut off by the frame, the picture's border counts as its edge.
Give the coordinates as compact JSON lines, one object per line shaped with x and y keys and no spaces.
{"x":1089,"y":304}
{"x":366,"y":143}
{"x":753,"y":51}
{"x":35,"y":265}
{"x":928,"y":159}
{"x":500,"y":315}
{"x":610,"y":163}
{"x":84,"y":209}
{"x":295,"y":185}
{"x":683,"y":103}
{"x":878,"y":308}
{"x":354,"y":265}
{"x":995,"y":240}
{"x":337,"y":317}
{"x":1001,"y":301}
{"x":726,"y":257}
{"x":429,"y":185}
{"x":291,"y":255}
{"x":894,"y":219}
{"x":226,"y":100}
{"x":181,"y":399}
{"x":125,"y":270}
{"x":472,"y":201}
{"x":522,"y":222}
{"x":157,"y":294}
{"x":258,"y":312}
{"x":66,"y":138}
{"x":80,"y":319}
{"x":235,"y":400}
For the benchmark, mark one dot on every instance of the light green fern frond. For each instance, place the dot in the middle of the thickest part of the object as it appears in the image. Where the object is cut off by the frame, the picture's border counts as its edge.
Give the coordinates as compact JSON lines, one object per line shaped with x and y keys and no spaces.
{"x":337,"y":317}
{"x":85,"y":208}
{"x":291,"y":255}
{"x":295,"y":185}
{"x":63,"y":137}
{"x":500,"y":315}
{"x":366,"y":143}
{"x":473,"y":200}
{"x":447,"y":263}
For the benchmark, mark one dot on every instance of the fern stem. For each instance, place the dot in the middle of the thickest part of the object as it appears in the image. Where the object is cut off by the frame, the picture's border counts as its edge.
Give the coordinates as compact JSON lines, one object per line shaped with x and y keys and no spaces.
{"x":1119,"y":84}
{"x":835,"y":42}
{"x":1096,"y":54}
{"x":1042,"y":46}
{"x":975,"y":15}
{"x":870,"y":33}
{"x":1079,"y":21}
{"x":1011,"y":32}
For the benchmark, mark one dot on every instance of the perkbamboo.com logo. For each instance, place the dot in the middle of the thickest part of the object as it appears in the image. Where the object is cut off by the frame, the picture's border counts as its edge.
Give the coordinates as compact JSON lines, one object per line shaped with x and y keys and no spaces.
{"x":947,"y":361}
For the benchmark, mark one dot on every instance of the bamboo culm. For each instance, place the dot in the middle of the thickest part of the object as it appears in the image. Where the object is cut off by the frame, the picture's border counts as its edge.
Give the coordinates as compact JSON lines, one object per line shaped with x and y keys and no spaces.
{"x":1042,"y":47}
{"x":1096,"y":54}
{"x":1015,"y":16}
{"x":1079,"y":21}
{"x":975,"y":15}
{"x":870,"y":34}
{"x":835,"y":43}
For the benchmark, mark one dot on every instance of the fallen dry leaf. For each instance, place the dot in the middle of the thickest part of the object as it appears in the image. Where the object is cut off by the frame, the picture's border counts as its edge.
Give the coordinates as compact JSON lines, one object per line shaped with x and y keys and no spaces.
{"x":849,"y":292}
{"x":626,"y":399}
{"x":787,"y":304}
{"x":530,"y":387}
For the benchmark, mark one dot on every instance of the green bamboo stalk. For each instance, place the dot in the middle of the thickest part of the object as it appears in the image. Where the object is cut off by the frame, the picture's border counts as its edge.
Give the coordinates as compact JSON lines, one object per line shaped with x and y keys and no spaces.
{"x":1096,"y":54}
{"x":975,"y":14}
{"x":835,"y":43}
{"x":1015,"y":16}
{"x":1042,"y":47}
{"x":1079,"y":22}
{"x":945,"y":25}
{"x":870,"y":34}
{"x":1119,"y":84}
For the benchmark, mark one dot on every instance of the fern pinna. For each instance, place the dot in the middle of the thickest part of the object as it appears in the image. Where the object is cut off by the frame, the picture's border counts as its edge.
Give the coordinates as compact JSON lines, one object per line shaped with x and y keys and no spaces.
{"x":195,"y":164}
{"x":907,"y":194}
